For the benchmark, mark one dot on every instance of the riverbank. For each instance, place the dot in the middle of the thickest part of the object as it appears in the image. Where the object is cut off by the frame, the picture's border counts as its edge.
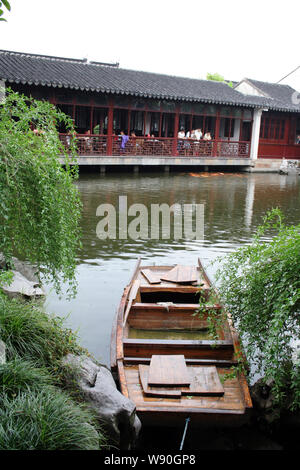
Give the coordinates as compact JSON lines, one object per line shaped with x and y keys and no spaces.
{"x":43,"y":407}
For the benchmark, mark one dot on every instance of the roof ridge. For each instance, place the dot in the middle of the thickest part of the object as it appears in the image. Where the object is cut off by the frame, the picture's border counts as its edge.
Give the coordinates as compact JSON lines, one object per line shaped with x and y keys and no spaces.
{"x":79,"y":74}
{"x":269,"y":83}
{"x":57,"y":58}
{"x":85,"y":61}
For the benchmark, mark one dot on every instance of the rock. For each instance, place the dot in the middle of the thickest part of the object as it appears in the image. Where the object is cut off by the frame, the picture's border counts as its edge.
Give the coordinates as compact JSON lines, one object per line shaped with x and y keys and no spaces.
{"x":22,"y":286}
{"x":2,"y":352}
{"x":23,"y":267}
{"x":114,"y":410}
{"x":263,"y":401}
{"x":289,"y":167}
{"x":25,"y":281}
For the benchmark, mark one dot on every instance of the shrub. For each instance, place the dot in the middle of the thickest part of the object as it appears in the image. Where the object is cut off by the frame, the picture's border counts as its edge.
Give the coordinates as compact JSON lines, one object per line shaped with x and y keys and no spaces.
{"x":260,"y":285}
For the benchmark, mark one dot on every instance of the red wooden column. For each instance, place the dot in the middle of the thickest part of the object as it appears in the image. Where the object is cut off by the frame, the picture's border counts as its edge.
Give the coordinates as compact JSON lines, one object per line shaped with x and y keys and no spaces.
{"x":217,"y":132}
{"x":176,"y":128}
{"x":287,"y":129}
{"x":287,"y":133}
{"x":241,"y":125}
{"x":110,"y":123}
{"x":91,"y":118}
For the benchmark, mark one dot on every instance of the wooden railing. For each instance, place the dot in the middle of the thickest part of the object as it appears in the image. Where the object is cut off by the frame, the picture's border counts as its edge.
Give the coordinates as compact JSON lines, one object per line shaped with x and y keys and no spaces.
{"x":156,"y":146}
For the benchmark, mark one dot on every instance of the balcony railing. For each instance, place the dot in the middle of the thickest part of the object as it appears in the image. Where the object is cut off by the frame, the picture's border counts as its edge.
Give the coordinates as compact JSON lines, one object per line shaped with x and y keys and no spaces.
{"x":156,"y":146}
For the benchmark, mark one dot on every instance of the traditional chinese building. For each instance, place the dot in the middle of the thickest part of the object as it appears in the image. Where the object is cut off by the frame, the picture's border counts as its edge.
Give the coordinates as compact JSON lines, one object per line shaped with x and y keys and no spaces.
{"x":239,"y":125}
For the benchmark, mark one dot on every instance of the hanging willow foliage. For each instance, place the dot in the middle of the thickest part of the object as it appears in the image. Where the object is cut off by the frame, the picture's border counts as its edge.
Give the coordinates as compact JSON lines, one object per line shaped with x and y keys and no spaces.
{"x":39,"y":203}
{"x":260,"y":285}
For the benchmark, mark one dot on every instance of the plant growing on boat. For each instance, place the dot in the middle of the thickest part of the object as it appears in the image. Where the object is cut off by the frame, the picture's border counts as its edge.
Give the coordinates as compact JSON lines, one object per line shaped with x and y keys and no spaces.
{"x":39,"y":203}
{"x":260,"y":285}
{"x":206,"y":311}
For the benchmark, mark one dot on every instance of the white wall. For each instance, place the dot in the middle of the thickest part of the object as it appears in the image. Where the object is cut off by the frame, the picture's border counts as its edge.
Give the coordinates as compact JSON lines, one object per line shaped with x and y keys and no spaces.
{"x":247,"y":89}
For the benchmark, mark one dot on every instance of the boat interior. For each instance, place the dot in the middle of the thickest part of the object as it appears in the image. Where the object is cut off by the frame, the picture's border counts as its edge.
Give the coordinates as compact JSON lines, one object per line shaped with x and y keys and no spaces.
{"x":164,"y":335}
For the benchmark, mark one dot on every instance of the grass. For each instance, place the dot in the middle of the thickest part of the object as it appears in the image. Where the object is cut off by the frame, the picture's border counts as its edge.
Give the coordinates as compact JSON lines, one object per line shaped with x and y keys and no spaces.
{"x":37,"y":409}
{"x":17,"y":376}
{"x":45,"y":420}
{"x":29,"y":332}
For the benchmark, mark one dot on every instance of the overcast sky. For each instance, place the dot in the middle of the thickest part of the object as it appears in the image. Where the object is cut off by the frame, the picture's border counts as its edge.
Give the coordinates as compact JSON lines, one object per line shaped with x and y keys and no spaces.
{"x":257,"y":39}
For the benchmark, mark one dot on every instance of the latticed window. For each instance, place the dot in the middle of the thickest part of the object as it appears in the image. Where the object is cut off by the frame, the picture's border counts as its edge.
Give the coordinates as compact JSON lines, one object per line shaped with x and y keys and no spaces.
{"x":272,"y":128}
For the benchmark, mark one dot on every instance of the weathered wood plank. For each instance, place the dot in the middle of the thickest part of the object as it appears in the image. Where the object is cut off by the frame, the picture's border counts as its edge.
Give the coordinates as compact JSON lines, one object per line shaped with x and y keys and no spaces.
{"x":181,"y":275}
{"x":204,"y":381}
{"x":230,"y":402}
{"x":132,"y":296}
{"x":189,"y":361}
{"x":155,"y":391}
{"x":190,"y":348}
{"x":151,"y":278}
{"x":168,"y":370}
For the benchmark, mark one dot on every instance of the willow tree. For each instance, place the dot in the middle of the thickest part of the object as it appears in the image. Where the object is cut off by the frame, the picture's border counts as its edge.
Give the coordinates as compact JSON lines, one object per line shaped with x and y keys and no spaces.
{"x":260,"y":284}
{"x":4,"y":4}
{"x":39,"y":203}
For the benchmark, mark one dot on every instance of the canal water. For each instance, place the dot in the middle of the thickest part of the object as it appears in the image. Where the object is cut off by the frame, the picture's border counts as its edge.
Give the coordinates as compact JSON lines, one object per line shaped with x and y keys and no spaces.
{"x":233,"y":203}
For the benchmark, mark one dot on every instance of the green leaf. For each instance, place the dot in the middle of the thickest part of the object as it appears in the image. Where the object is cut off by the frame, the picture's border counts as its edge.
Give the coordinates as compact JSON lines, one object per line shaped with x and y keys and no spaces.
{"x":6,"y":4}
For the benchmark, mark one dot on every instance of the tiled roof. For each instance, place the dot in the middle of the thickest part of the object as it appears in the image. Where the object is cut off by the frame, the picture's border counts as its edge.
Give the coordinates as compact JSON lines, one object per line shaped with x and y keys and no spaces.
{"x":33,"y":69}
{"x":276,"y":96}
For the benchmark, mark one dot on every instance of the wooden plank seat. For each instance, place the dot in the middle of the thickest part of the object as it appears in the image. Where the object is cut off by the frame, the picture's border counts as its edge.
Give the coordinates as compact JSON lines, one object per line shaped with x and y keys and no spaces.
{"x":191,"y":307}
{"x":222,"y":349}
{"x":189,"y":361}
{"x":166,"y":316}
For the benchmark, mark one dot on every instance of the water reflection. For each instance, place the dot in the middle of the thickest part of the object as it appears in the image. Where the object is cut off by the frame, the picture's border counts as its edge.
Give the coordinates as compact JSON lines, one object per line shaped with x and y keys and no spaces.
{"x":233,"y":208}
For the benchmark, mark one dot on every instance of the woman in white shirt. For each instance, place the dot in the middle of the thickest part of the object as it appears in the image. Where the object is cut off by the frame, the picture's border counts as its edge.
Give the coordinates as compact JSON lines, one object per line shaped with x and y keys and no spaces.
{"x":181,"y":134}
{"x":198,"y":134}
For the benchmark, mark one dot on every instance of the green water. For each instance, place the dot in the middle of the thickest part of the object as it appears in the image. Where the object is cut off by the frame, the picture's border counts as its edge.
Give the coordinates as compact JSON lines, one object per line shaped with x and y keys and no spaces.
{"x":168,"y":334}
{"x":233,"y":208}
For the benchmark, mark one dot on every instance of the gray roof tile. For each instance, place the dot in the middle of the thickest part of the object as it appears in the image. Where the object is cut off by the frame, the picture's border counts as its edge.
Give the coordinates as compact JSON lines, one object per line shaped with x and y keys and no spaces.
{"x":17,"y":67}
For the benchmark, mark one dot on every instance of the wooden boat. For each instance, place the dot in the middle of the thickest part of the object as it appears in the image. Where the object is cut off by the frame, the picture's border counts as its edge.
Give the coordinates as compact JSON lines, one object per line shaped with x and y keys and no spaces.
{"x":163,"y":357}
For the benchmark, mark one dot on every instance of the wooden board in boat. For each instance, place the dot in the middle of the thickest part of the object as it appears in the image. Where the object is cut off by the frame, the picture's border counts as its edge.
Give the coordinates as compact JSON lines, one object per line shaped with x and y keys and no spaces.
{"x":169,"y":392}
{"x":181,"y":275}
{"x":204,"y":382}
{"x":168,"y":370}
{"x":151,"y":278}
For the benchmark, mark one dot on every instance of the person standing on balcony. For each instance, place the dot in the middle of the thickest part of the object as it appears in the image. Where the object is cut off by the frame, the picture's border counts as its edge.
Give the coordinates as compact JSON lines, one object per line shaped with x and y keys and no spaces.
{"x":186,"y":144}
{"x":207,"y":136}
{"x":198,"y":134}
{"x":181,"y":135}
{"x":124,"y":140}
